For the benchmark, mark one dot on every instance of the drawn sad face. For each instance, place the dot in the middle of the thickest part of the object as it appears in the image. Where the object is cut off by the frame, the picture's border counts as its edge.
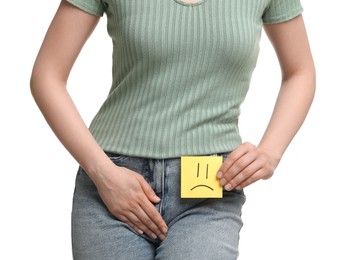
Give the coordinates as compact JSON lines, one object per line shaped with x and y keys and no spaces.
{"x":198,"y":177}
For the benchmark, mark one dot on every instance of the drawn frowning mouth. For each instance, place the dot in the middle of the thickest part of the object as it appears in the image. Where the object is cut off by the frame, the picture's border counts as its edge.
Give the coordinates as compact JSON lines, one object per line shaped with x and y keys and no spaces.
{"x":202,"y":185}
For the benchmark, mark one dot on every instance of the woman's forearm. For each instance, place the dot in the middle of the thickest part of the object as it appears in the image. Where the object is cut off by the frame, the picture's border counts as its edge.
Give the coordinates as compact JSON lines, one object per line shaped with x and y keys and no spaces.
{"x":293,"y":102}
{"x":291,"y":44}
{"x":67,"y":34}
{"x":249,"y":163}
{"x":64,"y":119}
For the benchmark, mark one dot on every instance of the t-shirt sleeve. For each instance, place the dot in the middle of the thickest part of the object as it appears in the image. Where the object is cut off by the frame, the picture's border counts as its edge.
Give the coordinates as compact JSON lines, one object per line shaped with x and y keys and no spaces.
{"x":282,"y":10}
{"x":95,"y":7}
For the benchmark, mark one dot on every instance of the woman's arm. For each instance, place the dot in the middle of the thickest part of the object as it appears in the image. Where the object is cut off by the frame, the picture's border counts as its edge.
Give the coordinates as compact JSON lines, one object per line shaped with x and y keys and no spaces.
{"x":66,"y":36}
{"x":126,"y":194}
{"x":249,"y":163}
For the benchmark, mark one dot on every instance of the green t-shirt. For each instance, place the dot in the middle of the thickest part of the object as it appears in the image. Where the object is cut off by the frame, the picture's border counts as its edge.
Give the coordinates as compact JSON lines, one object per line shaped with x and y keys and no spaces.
{"x":180,"y":72}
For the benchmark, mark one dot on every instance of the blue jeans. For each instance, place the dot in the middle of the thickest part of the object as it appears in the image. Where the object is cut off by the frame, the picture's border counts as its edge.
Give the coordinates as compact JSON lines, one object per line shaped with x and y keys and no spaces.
{"x":197,"y":228}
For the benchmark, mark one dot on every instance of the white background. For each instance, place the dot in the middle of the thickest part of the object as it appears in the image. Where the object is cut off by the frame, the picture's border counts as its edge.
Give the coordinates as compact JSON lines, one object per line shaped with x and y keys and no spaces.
{"x":295,"y":215}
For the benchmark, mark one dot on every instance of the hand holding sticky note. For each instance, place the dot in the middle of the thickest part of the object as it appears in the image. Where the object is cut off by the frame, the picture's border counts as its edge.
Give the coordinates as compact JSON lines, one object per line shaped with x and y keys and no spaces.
{"x":198,"y":177}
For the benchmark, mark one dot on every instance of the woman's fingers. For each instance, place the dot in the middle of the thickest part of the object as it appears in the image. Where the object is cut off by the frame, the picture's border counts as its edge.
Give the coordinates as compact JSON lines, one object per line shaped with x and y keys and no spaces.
{"x":149,"y":208}
{"x":244,"y":166}
{"x":252,"y":179}
{"x":249,"y":172}
{"x":143,"y":216}
{"x":148,"y":190}
{"x":134,"y":213}
{"x":141,"y":224}
{"x":231,"y":159}
{"x":139,"y":231}
{"x":237,"y":161}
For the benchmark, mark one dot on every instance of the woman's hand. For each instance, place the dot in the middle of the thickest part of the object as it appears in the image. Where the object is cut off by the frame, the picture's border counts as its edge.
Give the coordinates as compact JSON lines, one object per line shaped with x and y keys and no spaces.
{"x":130,"y":198}
{"x":246,"y":165}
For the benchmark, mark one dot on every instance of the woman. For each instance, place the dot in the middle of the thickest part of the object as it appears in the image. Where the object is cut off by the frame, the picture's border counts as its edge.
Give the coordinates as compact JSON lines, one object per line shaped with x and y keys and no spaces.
{"x":181,"y":69}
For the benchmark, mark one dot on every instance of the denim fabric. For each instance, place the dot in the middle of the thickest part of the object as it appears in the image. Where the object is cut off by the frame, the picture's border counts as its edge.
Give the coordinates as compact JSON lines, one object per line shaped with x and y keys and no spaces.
{"x":197,"y":228}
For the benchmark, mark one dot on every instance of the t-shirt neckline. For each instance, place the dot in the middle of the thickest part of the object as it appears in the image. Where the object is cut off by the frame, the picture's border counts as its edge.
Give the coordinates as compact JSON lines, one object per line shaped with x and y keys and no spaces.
{"x":182,"y":2}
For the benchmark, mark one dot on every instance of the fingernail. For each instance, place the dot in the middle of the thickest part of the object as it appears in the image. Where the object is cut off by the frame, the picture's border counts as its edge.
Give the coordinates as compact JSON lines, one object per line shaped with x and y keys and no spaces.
{"x":164,"y":230}
{"x":223,"y":181}
{"x":154,"y":236}
{"x":239,"y":187}
{"x":219,"y":175}
{"x":140,"y":231}
{"x":228,"y":187}
{"x":156,"y":197}
{"x":162,"y":237}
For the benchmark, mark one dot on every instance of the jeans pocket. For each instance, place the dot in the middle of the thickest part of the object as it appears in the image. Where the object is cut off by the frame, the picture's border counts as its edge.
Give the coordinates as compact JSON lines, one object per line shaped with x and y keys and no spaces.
{"x":116,"y":158}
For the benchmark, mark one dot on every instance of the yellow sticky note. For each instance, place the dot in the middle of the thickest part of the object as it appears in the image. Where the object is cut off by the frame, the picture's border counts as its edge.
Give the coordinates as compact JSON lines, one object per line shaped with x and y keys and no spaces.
{"x":198,"y":177}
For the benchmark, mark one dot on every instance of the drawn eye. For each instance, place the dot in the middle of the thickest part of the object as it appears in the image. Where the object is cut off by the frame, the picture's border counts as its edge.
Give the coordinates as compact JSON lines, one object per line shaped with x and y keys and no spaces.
{"x":206,"y":171}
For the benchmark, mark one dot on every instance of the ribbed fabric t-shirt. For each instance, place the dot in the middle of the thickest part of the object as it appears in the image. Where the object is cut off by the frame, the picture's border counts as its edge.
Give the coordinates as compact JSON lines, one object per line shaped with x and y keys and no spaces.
{"x":180,"y":72}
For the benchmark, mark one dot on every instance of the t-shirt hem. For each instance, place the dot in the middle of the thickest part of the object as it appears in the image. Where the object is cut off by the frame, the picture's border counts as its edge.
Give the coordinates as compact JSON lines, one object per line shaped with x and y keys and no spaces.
{"x":170,"y":155}
{"x":284,"y":17}
{"x":167,"y":156}
{"x":86,"y":8}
